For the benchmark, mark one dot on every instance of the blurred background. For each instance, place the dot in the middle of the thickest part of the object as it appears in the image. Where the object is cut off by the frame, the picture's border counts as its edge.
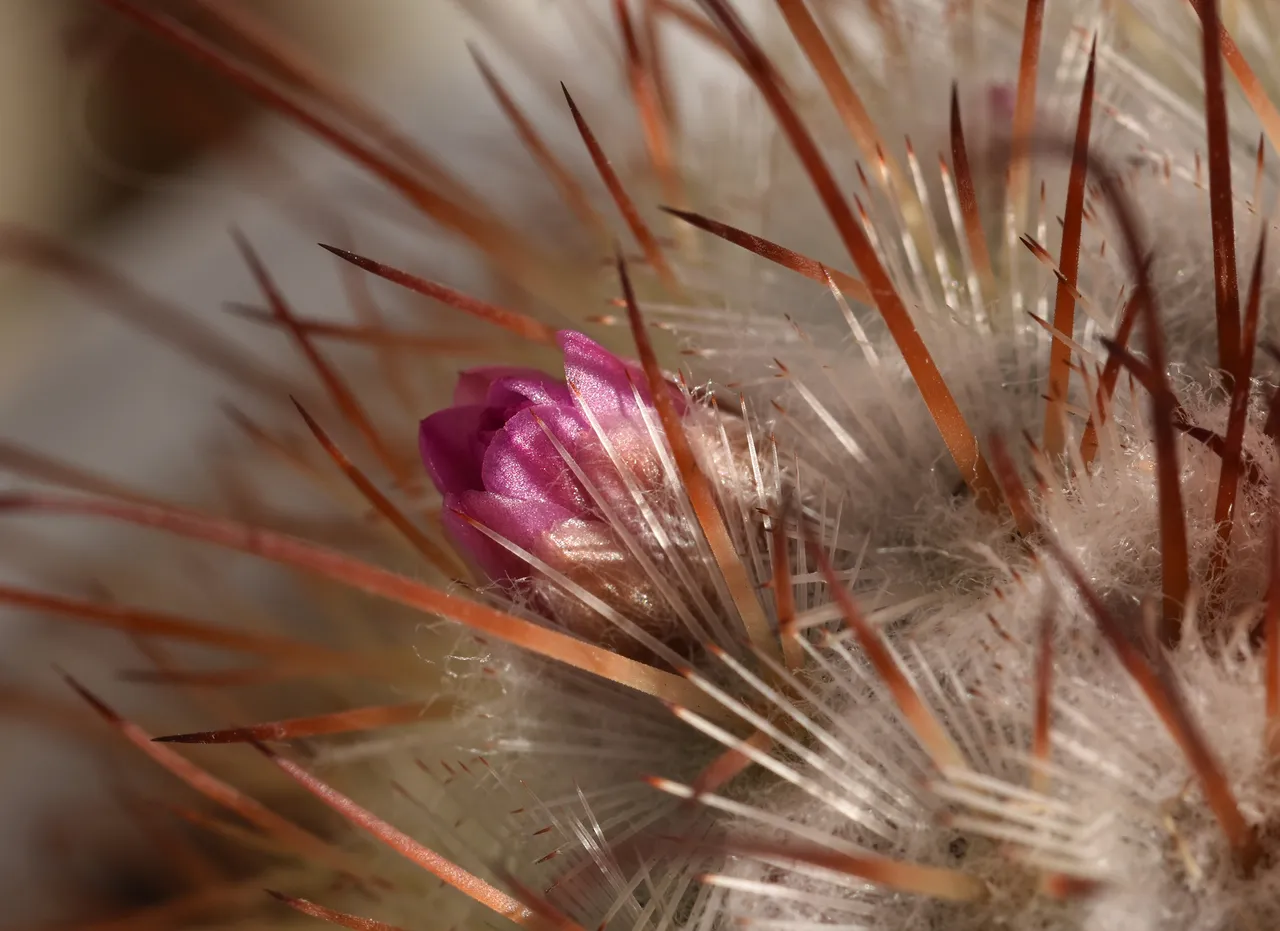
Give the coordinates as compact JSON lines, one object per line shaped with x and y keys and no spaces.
{"x":120,"y":149}
{"x":100,"y":121}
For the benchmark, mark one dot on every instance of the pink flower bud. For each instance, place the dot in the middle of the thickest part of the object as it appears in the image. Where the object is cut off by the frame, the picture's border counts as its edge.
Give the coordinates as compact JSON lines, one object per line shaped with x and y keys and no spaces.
{"x":493,"y":458}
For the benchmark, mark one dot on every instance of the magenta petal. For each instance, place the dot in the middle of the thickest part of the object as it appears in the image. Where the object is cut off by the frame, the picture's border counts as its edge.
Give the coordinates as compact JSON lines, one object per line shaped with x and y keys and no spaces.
{"x":492,"y":460}
{"x":515,"y":393}
{"x":603,"y":380}
{"x":473,"y":384}
{"x":509,"y":386}
{"x":521,"y":461}
{"x":600,"y":377}
{"x":452,"y":444}
{"x":521,"y":522}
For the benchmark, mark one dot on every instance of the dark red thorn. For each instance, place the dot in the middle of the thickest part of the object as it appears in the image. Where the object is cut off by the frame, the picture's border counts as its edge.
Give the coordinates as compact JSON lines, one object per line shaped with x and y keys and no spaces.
{"x":780,"y":255}
{"x":1145,"y":376}
{"x":450,"y":873}
{"x":647,"y":97}
{"x":968,"y":197}
{"x":374,"y":580}
{"x":1149,"y":671}
{"x":1069,"y":265}
{"x":341,"y":722}
{"x":126,"y":301}
{"x":1229,"y":476}
{"x":570,"y":190}
{"x":337,"y":389}
{"x":697,"y":487}
{"x":514,"y":322}
{"x":1254,"y":90}
{"x":1024,"y":105}
{"x":1015,"y":493}
{"x":1175,"y":556}
{"x":437,"y":557}
{"x":213,"y":788}
{"x":509,"y":251}
{"x":956,"y":433}
{"x":292,"y":61}
{"x":783,"y":594}
{"x":621,"y":199}
{"x":1107,"y":381}
{"x":1226,"y":286}
{"x":1042,"y":718}
{"x":142,"y":623}
{"x":369,"y":334}
{"x":931,"y":734}
{"x":341,"y":919}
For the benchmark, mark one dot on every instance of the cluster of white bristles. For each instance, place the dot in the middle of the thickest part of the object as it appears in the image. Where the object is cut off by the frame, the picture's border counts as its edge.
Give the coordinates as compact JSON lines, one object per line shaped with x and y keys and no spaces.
{"x":934,"y":667}
{"x":857,"y":808}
